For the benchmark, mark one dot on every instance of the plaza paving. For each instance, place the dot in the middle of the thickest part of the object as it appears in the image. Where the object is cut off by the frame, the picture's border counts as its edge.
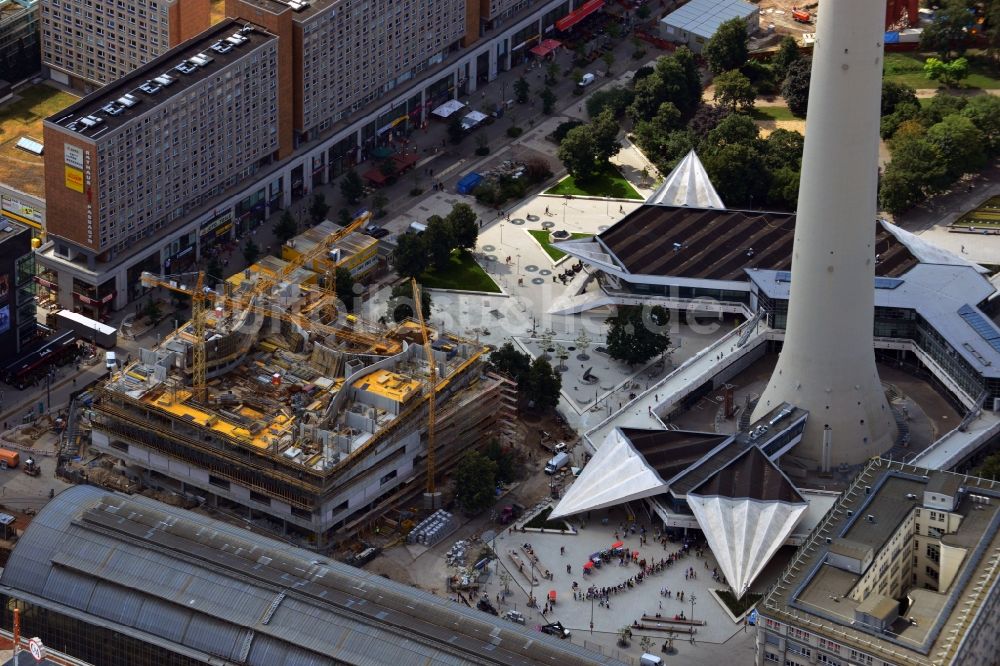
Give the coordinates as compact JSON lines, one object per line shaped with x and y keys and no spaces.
{"x":595,"y":535}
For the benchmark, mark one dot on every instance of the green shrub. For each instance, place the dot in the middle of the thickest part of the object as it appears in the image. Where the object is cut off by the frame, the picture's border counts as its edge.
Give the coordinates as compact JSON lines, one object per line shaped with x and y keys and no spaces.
{"x":514,"y":132}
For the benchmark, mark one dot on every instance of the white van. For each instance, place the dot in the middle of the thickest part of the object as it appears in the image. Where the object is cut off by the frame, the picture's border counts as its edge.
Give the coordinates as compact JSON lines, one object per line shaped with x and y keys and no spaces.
{"x":650,"y":660}
{"x":110,"y":362}
{"x":558,"y":461}
{"x":586,"y":80}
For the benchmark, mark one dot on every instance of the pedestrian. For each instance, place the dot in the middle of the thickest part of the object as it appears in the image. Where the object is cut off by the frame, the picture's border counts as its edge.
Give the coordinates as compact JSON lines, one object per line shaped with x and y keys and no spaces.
{"x":547,"y":211}
{"x":621,"y":209}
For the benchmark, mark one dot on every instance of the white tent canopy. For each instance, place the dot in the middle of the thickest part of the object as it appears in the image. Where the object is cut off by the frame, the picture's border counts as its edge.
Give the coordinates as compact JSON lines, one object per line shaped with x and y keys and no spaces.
{"x":473,"y":119}
{"x":448,"y":109}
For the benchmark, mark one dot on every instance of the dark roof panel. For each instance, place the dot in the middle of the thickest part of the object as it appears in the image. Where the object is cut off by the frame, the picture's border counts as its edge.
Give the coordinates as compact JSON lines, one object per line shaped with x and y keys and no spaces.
{"x":716,"y":244}
{"x":670,"y":452}
{"x":750,"y":476}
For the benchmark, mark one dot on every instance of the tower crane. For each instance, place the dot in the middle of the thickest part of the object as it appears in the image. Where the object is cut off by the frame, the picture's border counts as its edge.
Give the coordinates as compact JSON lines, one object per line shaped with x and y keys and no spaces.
{"x":432,"y":384}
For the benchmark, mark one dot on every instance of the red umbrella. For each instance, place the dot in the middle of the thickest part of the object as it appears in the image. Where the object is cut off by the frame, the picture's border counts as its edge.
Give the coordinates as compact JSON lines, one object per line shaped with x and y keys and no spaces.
{"x":635,"y":553}
{"x":552,"y":595}
{"x":618,"y":544}
{"x":588,"y":565}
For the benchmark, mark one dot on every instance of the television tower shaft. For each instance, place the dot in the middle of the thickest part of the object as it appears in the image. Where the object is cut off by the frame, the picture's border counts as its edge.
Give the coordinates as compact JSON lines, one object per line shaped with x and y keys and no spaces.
{"x":827,"y":364}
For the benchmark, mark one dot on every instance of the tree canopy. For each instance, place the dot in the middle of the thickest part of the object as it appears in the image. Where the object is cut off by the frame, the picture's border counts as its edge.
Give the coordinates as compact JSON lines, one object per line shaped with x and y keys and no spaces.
{"x":637,"y":334}
{"x":795,"y":90}
{"x":475,"y":482}
{"x":727,"y":48}
{"x":734,"y":91}
{"x":318,"y":208}
{"x":509,"y":361}
{"x":949,"y":73}
{"x":343,"y":282}
{"x":410,"y":256}
{"x":438,"y":242}
{"x":948,"y":32}
{"x":400,"y":305}
{"x":578,"y":153}
{"x":351,"y":187}
{"x":286,"y":227}
{"x":541,"y":386}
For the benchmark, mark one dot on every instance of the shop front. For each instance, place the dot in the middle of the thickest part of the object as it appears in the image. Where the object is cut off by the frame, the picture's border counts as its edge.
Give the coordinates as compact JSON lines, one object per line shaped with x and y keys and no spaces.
{"x":215,"y":232}
{"x":251,"y":212}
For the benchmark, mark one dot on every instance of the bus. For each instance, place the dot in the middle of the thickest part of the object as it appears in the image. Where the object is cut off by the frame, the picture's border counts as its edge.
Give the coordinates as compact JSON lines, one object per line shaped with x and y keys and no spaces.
{"x":34,"y":362}
{"x":88,"y":329}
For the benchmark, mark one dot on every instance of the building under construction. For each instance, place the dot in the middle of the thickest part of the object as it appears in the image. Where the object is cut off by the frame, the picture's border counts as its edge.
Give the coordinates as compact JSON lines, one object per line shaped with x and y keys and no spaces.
{"x":308,"y":421}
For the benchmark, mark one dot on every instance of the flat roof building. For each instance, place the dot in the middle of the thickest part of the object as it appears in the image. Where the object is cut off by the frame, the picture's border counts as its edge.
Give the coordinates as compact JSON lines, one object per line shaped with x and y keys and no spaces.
{"x":350,"y":78}
{"x":695,"y":22}
{"x":132,"y":158}
{"x":902,"y":570}
{"x":124,"y":580}
{"x":86,"y":47}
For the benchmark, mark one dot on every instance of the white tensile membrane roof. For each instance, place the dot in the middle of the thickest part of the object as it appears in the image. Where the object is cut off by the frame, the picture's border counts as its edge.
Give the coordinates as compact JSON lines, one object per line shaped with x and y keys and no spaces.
{"x":687,"y":185}
{"x":615,"y":475}
{"x":746,"y":510}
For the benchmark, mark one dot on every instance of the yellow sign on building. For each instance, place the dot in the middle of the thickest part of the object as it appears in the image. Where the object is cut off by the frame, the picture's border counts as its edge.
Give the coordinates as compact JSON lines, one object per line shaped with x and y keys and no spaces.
{"x":74,"y":178}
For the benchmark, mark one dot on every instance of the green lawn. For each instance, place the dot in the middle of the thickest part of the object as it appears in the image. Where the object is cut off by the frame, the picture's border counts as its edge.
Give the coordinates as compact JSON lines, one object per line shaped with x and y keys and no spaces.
{"x":986,"y":215}
{"x":463,"y":273}
{"x":542,"y":236}
{"x":773,"y":113}
{"x":909,"y":68}
{"x":608,"y":183}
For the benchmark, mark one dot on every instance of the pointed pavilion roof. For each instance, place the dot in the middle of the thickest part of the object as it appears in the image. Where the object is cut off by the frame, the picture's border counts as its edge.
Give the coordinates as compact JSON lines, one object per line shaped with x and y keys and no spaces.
{"x":616,"y":474}
{"x":687,"y":185}
{"x":747,"y":509}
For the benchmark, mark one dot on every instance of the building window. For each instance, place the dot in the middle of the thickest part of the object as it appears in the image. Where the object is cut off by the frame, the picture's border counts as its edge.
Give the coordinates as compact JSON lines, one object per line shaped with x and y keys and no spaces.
{"x":771,"y":657}
{"x":301,"y":513}
{"x":260,"y":497}
{"x":217,"y":482}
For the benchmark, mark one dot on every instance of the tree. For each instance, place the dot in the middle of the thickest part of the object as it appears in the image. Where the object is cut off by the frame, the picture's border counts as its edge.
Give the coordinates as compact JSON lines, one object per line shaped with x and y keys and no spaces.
{"x":504,"y":458}
{"x":344,"y":217}
{"x":400,"y":306}
{"x":692,"y":85}
{"x":540,"y":387}
{"x":455,"y":130}
{"x":735,"y":129}
{"x":904,"y":111}
{"x":895,"y":94}
{"x":738,"y":173}
{"x":318,"y":208}
{"x":151,"y":311}
{"x":615,"y":98}
{"x":647,"y":95}
{"x":678,"y":144}
{"x":991,"y":467}
{"x":548,"y":100}
{"x":609,"y":60}
{"x":734,"y":91}
{"x":552,"y":73}
{"x":475,"y":482}
{"x":464,"y":225}
{"x":948,"y":31}
{"x":410,"y":255}
{"x":783,"y":148}
{"x":706,"y":119}
{"x":286,"y":227}
{"x":352,"y":187}
{"x":941,"y":106}
{"x":605,"y":130}
{"x":916,"y":170}
{"x":578,"y":151}
{"x":960,"y":144}
{"x":379,"y":202}
{"x":727,"y":48}
{"x":795,"y":90}
{"x":637,"y":334}
{"x":438,"y":242}
{"x":788,"y":52}
{"x":949,"y":73}
{"x":653,"y":135}
{"x":508,"y":360}
{"x":984,"y":112}
{"x":343,"y":282}
{"x":251,"y":252}
{"x":521,"y":90}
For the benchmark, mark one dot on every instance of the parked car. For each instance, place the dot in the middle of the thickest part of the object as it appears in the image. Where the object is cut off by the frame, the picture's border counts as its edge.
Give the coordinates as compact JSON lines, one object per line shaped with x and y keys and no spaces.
{"x":514,"y":616}
{"x":586,"y":80}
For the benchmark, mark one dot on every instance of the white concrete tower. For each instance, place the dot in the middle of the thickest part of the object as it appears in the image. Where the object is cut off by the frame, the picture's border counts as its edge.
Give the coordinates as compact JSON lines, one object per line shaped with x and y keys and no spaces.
{"x":827,"y":365}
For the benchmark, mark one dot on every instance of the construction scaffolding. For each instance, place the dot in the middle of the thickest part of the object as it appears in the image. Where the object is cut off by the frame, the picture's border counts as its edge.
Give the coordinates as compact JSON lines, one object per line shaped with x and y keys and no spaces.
{"x":308,"y":420}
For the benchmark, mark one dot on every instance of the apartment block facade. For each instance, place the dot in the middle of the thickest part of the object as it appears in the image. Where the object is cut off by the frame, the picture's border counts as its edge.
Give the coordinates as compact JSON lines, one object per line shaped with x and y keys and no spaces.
{"x":347,"y":78}
{"x":90,"y":43}
{"x":129,"y":160}
{"x":18,"y":38}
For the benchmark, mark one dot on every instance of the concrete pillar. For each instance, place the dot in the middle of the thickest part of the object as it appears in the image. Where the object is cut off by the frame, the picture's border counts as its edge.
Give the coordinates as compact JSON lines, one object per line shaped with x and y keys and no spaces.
{"x":827,"y":365}
{"x":473,"y":75}
{"x":286,"y":186}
